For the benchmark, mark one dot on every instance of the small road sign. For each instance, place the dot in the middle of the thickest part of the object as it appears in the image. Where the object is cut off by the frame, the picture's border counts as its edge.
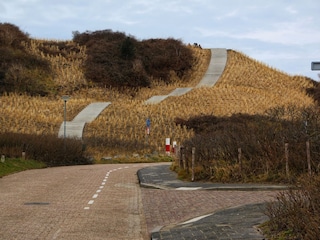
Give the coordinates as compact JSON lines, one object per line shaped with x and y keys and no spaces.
{"x":148,"y":124}
{"x":315,"y":66}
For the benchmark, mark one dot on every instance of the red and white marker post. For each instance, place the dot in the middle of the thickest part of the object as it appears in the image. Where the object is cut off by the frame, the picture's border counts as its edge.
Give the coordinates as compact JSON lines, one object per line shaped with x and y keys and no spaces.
{"x":168,"y":146}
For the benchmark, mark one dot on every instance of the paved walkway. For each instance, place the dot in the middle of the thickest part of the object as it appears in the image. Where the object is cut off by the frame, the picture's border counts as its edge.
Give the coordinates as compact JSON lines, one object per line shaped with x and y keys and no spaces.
{"x":161,"y":177}
{"x":216,"y":67}
{"x":74,"y":128}
{"x":222,"y":211}
{"x":174,"y":93}
{"x":232,"y":223}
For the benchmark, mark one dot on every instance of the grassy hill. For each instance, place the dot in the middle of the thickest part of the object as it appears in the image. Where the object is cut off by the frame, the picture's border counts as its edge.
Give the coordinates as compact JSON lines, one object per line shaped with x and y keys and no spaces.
{"x":239,"y":127}
{"x":247,"y":87}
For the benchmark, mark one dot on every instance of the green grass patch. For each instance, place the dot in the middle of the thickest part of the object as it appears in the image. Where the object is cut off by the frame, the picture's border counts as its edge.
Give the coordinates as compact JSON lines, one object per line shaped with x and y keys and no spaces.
{"x":13,"y":165}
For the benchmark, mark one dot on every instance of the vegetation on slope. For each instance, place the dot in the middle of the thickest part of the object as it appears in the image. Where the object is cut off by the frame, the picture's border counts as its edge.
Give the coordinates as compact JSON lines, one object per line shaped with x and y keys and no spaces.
{"x":117,"y":60}
{"x":255,"y":108}
{"x":21,"y":71}
{"x":262,"y":141}
{"x":48,"y":149}
{"x":246,"y":87}
{"x":295,"y":213}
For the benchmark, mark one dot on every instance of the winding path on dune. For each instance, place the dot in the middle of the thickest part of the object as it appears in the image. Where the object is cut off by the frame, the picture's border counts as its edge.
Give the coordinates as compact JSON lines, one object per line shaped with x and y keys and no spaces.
{"x":74,"y":128}
{"x":216,"y":67}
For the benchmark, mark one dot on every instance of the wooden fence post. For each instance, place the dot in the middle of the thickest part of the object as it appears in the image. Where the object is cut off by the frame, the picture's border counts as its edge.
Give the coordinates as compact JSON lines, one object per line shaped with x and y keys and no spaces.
{"x":185,"y":162}
{"x":184,"y":159}
{"x":286,"y":152}
{"x":239,"y":159}
{"x":192,"y":163}
{"x":178,"y":155}
{"x":181,"y":156}
{"x":308,"y":157}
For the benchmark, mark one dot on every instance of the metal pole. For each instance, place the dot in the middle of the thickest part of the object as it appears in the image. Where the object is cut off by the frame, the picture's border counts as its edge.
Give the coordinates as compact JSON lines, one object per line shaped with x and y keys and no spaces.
{"x":65,"y":119}
{"x":192,"y":162}
{"x":65,"y":98}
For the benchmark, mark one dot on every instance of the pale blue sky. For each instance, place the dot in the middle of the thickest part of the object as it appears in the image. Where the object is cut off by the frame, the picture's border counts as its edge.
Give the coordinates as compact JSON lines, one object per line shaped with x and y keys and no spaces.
{"x":284,"y":34}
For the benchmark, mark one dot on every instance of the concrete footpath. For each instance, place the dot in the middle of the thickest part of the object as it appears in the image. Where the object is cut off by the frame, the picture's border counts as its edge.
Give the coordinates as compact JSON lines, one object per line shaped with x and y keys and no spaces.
{"x":237,"y":222}
{"x":215,"y":69}
{"x":74,"y":128}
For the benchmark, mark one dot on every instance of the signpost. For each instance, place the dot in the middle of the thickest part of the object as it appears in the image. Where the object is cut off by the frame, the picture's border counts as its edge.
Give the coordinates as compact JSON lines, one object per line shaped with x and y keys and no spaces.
{"x":65,"y":98}
{"x":315,"y":66}
{"x":168,"y":146}
{"x":148,"y":124}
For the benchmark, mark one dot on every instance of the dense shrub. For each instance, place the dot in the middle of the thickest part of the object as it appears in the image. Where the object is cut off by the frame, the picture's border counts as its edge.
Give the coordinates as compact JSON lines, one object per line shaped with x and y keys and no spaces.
{"x":111,"y":59}
{"x":10,"y":35}
{"x":261,"y":139}
{"x":296,"y":213}
{"x":49,"y":149}
{"x":19,"y":70}
{"x":117,"y":60}
{"x":160,"y":56}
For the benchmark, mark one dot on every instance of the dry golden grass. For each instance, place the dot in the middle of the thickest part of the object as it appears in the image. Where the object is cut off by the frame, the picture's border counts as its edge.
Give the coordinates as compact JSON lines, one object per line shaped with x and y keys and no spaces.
{"x":66,"y":65}
{"x":125,"y":118}
{"x":36,"y":115}
{"x":246,"y":86}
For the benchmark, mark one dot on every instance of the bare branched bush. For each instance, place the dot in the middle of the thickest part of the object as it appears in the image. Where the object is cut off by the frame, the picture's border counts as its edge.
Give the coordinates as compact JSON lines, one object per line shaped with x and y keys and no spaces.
{"x":114,"y":59}
{"x":51,"y":150}
{"x":295,"y":213}
{"x":261,"y":139}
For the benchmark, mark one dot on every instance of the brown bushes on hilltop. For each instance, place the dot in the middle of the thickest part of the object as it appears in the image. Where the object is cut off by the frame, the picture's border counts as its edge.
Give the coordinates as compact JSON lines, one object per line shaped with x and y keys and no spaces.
{"x":104,"y":58}
{"x":10,"y":35}
{"x":19,"y":70}
{"x":161,"y":56}
{"x":117,"y":60}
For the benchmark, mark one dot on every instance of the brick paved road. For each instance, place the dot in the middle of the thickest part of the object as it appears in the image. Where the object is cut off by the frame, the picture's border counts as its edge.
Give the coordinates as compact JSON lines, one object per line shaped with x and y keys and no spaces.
{"x":100,"y":202}
{"x":166,"y":207}
{"x":78,"y":202}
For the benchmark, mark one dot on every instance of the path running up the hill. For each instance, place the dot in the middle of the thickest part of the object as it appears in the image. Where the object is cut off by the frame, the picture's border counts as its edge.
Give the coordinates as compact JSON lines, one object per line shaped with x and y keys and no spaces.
{"x":216,"y":67}
{"x":74,"y":128}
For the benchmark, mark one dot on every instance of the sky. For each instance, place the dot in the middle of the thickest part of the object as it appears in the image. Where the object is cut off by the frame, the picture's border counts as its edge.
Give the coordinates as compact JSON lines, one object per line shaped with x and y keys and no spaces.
{"x":284,"y":34}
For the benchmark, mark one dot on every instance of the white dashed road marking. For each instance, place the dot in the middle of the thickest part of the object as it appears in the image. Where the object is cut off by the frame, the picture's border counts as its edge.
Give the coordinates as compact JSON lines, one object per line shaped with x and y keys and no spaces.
{"x":103,"y":183}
